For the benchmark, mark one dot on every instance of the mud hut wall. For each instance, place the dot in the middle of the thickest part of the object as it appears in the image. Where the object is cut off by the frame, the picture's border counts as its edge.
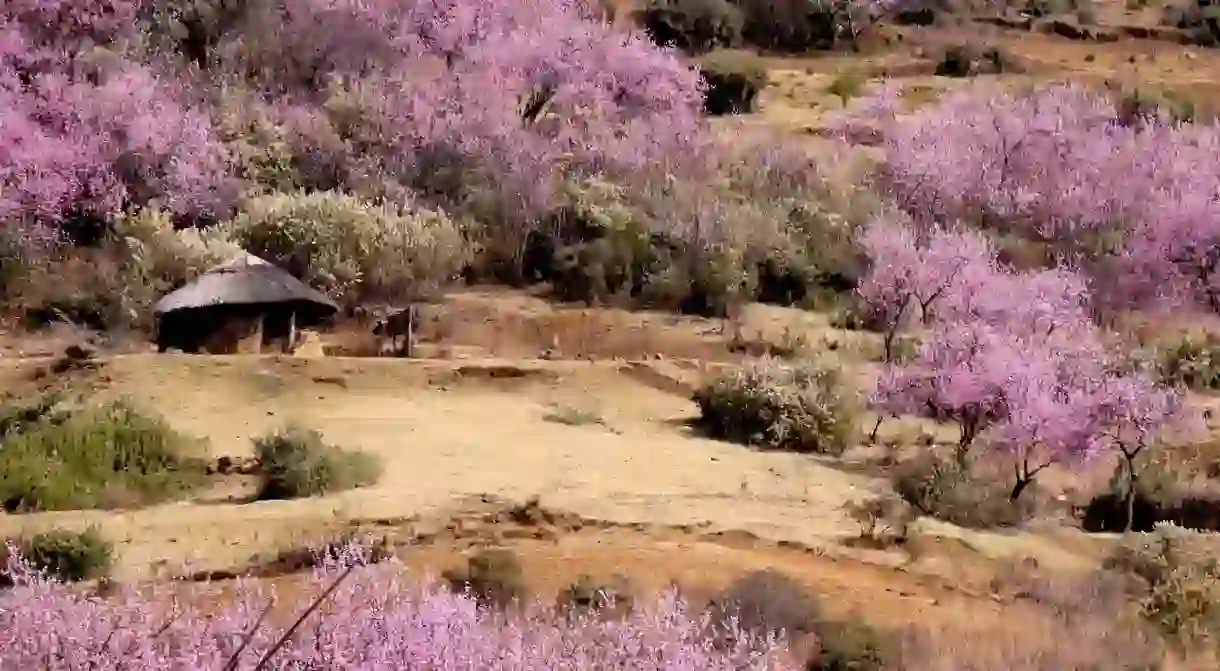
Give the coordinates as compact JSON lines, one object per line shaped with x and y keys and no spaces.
{"x":234,"y":332}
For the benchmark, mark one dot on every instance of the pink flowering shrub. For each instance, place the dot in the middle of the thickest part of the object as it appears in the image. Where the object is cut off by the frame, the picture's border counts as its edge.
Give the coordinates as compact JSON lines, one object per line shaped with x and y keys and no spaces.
{"x":366,"y":618}
{"x":1135,"y":201}
{"x":84,"y":131}
{"x":911,"y":270}
{"x":1013,"y":358}
{"x":482,"y":108}
{"x":485,"y":109}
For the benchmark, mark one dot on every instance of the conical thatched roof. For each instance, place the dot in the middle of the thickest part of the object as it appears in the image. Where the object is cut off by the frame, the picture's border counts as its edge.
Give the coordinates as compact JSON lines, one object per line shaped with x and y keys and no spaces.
{"x":245,"y":280}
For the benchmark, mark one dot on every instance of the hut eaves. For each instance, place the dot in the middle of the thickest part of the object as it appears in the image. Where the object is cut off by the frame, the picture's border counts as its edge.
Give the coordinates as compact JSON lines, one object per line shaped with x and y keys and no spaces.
{"x":246,"y":280}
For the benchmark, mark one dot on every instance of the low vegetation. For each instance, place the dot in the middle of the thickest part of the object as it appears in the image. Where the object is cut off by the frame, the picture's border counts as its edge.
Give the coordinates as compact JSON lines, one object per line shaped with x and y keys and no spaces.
{"x":785,"y":26}
{"x":769,"y":602}
{"x":767,"y":404}
{"x":493,"y":578}
{"x":734,"y":80}
{"x":1178,"y":486}
{"x":67,"y":556}
{"x":1178,"y":583}
{"x":297,"y":463}
{"x":972,"y":497}
{"x":884,"y":521}
{"x":111,"y":456}
{"x":1089,"y":623}
{"x":571,"y":415}
{"x":590,"y":595}
{"x":1196,"y":17}
{"x":1193,"y":362}
{"x":357,"y":251}
{"x":969,"y":60}
{"x":390,"y":622}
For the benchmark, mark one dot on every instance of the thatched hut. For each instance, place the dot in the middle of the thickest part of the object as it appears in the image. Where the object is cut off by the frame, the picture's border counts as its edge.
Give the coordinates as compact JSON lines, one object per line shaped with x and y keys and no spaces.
{"x":245,"y":305}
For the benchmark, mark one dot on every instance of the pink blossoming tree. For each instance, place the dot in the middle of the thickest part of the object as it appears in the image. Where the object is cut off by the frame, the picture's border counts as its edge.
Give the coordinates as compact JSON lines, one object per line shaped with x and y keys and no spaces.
{"x":362,"y":617}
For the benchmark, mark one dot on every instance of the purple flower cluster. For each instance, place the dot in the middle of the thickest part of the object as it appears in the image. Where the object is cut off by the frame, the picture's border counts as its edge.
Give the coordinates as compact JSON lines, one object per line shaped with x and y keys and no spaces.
{"x":366,"y":618}
{"x":484,"y":108}
{"x":490,"y":104}
{"x":1129,"y":208}
{"x":1136,"y":200}
{"x":84,"y":131}
{"x":1013,"y":357}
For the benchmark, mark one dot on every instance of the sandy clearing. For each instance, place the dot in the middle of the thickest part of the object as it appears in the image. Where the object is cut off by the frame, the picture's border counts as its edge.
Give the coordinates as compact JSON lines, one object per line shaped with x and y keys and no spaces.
{"x":444,"y":440}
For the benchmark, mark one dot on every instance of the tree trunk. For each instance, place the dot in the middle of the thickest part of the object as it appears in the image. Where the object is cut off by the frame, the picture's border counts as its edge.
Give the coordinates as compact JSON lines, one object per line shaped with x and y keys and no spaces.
{"x":963,"y":447}
{"x":872,"y":436}
{"x":969,"y":430}
{"x":1022,"y":483}
{"x":1129,"y":461}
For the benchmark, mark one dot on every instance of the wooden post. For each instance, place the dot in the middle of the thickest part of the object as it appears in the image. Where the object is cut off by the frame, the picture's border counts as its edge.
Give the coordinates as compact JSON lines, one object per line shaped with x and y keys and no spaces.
{"x":290,"y":346}
{"x":409,"y":345}
{"x":258,"y":330}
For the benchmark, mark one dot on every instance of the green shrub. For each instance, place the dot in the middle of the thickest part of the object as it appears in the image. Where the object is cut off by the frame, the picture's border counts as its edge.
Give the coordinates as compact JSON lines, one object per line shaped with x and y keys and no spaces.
{"x":969,"y":60}
{"x":1022,"y":254}
{"x":296,"y":463}
{"x":734,"y":79}
{"x":801,"y":408}
{"x":263,"y":151}
{"x":19,"y":415}
{"x":767,"y":238}
{"x":853,"y":645}
{"x":793,"y":26}
{"x":1137,"y":102}
{"x":602,"y":249}
{"x":695,"y":26}
{"x":787,"y":26}
{"x":847,"y":85}
{"x":1193,"y":362}
{"x":768,"y":602}
{"x":69,"y":556}
{"x":191,"y":29}
{"x":494,"y":577}
{"x":1052,"y":8}
{"x":606,"y":251}
{"x":1180,"y":580}
{"x":113,"y":284}
{"x":95,"y":457}
{"x":851,"y":315}
{"x":587,"y":594}
{"x":13,"y":261}
{"x":92,"y":288}
{"x":167,"y":258}
{"x":946,"y":490}
{"x":1156,"y":490}
{"x":353,"y":249}
{"x":1199,"y":18}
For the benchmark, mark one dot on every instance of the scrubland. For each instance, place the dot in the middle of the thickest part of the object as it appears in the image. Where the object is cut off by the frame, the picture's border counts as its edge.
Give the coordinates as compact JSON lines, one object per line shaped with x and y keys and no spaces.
{"x":878,"y":335}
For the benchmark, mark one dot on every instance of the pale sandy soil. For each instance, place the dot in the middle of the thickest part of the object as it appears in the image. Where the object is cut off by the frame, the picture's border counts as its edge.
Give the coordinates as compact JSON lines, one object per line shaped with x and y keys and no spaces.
{"x":444,"y":440}
{"x":460,"y":435}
